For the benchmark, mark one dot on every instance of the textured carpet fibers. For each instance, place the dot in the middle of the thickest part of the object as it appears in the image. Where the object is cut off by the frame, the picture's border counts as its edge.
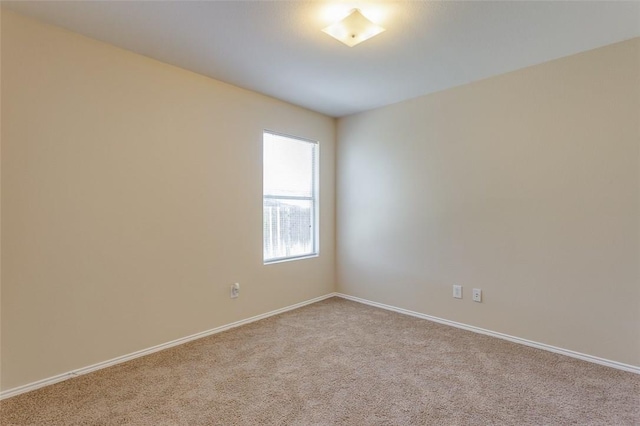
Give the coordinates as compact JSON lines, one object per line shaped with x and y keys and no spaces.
{"x":339,"y":362}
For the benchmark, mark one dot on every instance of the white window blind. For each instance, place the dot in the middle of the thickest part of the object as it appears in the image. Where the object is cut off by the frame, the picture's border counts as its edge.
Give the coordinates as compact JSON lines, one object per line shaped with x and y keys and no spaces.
{"x":290,"y":189}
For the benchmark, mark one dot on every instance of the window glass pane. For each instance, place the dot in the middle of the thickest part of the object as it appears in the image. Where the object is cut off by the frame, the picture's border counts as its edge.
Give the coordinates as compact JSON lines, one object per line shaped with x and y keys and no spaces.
{"x":288,"y":166}
{"x":288,"y":229}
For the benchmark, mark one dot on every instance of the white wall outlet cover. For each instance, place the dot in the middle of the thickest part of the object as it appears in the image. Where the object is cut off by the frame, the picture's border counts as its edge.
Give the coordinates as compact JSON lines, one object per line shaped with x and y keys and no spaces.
{"x":457,"y":291}
{"x":477,"y":295}
{"x":235,"y":290}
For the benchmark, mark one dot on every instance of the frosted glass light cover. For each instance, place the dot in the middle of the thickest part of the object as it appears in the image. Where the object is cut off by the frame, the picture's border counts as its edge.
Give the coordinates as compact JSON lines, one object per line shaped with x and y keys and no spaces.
{"x":353,"y":29}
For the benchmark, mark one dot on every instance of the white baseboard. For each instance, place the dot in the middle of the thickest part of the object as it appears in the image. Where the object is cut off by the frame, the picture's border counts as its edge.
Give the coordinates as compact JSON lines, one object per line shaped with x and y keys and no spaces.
{"x":65,"y":376}
{"x":124,"y":358}
{"x":543,"y":346}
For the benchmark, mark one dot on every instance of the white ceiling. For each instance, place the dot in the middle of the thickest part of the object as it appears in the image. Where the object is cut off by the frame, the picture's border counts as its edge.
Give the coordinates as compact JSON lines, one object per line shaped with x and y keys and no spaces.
{"x":277,"y":48}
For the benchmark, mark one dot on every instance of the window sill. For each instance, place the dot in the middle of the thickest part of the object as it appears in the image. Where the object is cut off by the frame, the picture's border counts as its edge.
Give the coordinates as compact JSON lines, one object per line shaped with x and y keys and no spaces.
{"x":290,"y":259}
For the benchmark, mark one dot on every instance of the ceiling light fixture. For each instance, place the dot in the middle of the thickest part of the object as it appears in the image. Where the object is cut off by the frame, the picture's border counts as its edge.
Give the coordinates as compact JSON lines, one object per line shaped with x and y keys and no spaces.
{"x":353,"y":29}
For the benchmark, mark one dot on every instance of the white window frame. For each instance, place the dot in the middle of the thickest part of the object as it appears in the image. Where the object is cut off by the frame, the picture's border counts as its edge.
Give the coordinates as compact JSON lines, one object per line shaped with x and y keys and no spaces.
{"x":315,"y":200}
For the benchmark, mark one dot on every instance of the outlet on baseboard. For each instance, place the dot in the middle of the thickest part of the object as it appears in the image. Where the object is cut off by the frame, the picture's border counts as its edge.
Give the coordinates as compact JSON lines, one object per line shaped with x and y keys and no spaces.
{"x":235,"y":290}
{"x":457,"y":291}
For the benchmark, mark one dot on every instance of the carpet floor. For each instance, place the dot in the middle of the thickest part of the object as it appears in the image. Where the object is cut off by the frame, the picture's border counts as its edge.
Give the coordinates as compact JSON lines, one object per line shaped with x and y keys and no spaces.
{"x":339,"y":362}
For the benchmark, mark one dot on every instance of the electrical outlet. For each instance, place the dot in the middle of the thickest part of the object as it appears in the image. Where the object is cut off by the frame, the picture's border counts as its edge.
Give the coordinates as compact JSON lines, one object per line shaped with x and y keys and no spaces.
{"x":235,"y":290}
{"x":477,"y":295}
{"x":457,"y":291}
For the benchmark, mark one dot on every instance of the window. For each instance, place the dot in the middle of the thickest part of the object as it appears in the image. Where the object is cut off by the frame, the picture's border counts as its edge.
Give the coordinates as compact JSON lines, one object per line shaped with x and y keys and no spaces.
{"x":290,"y":197}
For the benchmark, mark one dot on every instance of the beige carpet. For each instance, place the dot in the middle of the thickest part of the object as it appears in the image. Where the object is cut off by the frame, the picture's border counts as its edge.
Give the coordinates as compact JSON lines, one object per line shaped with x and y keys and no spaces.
{"x":339,"y":362}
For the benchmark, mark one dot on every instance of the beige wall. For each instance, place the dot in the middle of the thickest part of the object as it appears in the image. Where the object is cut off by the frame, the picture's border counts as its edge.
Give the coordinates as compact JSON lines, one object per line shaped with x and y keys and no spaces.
{"x":131,"y":194}
{"x":525,"y":185}
{"x":131,"y":200}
